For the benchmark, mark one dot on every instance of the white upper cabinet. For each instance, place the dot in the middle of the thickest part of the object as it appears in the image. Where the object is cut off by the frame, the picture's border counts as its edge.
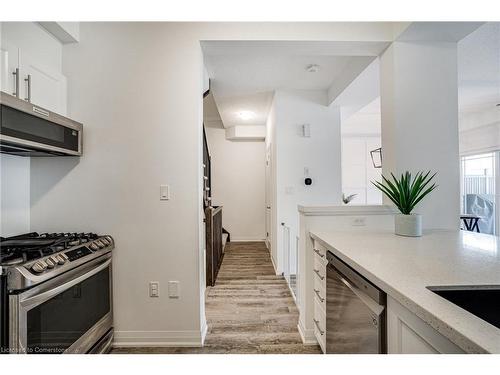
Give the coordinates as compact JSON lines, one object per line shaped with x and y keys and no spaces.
{"x":9,"y":60}
{"x":27,"y":48}
{"x":45,"y":87}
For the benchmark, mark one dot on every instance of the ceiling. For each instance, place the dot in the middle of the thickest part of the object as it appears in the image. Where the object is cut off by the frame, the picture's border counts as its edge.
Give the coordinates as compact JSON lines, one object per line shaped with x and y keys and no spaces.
{"x":244,"y":75}
{"x":479,"y":69}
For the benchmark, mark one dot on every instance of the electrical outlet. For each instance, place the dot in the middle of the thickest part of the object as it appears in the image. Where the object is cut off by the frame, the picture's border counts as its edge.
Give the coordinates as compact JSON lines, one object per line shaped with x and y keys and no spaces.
{"x":173,"y":289}
{"x":154,"y":289}
{"x":359,"y":222}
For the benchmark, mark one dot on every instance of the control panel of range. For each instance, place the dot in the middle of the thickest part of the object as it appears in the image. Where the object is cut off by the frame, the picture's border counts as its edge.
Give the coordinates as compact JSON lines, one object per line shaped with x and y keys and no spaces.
{"x":70,"y":255}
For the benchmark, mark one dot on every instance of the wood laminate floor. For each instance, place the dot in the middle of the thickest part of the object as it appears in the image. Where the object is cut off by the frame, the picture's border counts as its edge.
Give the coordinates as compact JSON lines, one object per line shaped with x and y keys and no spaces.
{"x":249,"y":310}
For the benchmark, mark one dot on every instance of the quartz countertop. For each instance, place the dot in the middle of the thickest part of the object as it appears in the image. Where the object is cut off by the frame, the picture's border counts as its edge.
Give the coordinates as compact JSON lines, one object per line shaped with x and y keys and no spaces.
{"x":405,"y":266}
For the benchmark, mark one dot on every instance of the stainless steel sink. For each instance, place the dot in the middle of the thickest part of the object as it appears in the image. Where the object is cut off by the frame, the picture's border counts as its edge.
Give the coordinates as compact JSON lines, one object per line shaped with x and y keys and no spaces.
{"x":482,"y":301}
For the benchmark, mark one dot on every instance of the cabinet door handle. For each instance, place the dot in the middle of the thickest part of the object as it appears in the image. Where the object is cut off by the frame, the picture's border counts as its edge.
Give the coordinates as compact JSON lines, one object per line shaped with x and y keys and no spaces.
{"x":321,"y":332}
{"x":319,"y":253}
{"x":15,"y":73}
{"x":319,"y":295}
{"x":319,"y":275}
{"x":28,"y":81}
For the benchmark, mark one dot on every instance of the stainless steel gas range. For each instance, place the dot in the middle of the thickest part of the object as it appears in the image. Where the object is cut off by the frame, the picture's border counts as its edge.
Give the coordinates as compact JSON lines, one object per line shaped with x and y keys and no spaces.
{"x":56,"y":293}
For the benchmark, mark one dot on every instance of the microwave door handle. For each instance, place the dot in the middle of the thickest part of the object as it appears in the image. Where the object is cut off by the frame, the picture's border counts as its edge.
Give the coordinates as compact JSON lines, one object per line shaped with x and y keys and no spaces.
{"x":42,"y":297}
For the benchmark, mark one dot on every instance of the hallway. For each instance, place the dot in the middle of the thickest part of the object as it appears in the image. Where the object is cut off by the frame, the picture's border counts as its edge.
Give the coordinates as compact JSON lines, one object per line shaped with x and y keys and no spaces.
{"x":250,"y":309}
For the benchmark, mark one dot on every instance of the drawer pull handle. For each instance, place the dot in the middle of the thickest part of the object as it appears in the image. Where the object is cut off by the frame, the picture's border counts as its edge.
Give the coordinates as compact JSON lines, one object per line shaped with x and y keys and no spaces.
{"x":319,"y":296}
{"x":319,"y":275}
{"x":321,"y":332}
{"x":319,"y":253}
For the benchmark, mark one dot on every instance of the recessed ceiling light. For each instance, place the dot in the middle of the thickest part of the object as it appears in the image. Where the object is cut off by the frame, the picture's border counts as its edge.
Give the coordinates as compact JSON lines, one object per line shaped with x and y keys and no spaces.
{"x":246,"y":115}
{"x":312,"y":68}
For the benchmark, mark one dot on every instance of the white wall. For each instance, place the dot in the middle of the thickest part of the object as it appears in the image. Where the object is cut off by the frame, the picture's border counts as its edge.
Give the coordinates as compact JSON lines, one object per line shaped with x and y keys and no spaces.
{"x":320,"y":153}
{"x":419,"y":102}
{"x":15,"y":170}
{"x":238,"y":184}
{"x":137,"y":88}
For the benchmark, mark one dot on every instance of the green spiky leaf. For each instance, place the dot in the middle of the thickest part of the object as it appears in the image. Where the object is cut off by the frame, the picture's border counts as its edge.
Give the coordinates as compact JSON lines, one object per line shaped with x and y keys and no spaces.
{"x":407,"y":191}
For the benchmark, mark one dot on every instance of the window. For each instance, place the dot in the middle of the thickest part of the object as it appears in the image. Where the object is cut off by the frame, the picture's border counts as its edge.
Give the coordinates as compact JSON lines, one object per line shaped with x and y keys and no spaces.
{"x":478,"y":189}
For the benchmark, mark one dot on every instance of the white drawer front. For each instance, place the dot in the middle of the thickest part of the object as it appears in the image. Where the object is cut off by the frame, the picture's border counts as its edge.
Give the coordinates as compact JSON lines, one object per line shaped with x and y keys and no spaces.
{"x":319,"y":322}
{"x":319,"y":252}
{"x":319,"y":292}
{"x":319,"y":272}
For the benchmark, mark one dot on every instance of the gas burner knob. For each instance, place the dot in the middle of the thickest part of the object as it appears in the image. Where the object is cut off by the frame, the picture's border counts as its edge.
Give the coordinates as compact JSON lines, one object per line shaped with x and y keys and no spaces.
{"x":60,"y":259}
{"x":110,"y":240}
{"x":105,"y":241}
{"x":50,"y":263}
{"x":39,"y":267}
{"x":100,"y":244}
{"x":94,"y":246}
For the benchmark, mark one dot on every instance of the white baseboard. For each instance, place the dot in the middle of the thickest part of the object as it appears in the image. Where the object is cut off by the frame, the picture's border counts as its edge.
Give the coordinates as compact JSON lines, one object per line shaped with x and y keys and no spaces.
{"x":307,"y":335}
{"x":204,"y":330}
{"x":293,"y":295}
{"x":159,"y":338}
{"x":274,"y":265}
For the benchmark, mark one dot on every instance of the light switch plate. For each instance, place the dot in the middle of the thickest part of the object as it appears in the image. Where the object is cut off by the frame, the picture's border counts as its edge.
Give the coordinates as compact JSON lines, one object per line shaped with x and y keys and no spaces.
{"x":154,"y":289}
{"x":164,"y":192}
{"x":173,"y":289}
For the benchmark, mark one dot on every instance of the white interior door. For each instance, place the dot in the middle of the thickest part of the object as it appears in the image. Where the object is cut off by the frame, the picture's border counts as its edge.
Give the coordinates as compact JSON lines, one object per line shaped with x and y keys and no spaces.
{"x":268,"y":196}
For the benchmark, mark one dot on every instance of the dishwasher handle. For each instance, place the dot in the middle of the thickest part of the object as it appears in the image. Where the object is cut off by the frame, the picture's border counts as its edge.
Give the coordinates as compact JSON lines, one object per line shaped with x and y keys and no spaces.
{"x":355,"y":279}
{"x":376,"y":308}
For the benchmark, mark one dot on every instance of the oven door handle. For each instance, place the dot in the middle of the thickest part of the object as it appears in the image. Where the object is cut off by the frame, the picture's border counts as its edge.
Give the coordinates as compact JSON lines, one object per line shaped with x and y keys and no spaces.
{"x":30,"y":302}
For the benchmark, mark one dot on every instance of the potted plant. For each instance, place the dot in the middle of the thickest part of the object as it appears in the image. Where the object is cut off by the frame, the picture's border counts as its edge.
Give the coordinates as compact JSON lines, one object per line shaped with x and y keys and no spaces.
{"x":406,"y":192}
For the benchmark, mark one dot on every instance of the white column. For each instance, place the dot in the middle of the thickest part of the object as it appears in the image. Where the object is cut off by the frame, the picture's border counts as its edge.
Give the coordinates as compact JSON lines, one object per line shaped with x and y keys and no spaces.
{"x":419,"y":104}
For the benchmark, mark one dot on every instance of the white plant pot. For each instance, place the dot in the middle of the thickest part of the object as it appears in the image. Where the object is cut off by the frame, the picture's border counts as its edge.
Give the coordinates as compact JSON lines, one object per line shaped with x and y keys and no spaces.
{"x":408,"y":225}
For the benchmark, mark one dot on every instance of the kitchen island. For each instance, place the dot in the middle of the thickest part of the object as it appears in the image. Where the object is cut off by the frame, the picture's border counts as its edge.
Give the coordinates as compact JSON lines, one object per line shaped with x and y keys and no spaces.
{"x":404,"y":268}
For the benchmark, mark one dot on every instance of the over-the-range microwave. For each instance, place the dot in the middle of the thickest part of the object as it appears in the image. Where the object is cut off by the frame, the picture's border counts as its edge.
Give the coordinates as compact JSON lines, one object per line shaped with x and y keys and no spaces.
{"x":29,"y":130}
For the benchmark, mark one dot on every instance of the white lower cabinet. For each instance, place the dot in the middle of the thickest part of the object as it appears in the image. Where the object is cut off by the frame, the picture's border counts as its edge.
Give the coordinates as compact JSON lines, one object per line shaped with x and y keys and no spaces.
{"x":408,"y":334}
{"x":320,"y":325}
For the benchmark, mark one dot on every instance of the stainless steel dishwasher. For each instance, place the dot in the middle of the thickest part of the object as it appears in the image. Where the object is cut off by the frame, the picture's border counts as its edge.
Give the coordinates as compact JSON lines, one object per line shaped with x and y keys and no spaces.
{"x":355,"y":311}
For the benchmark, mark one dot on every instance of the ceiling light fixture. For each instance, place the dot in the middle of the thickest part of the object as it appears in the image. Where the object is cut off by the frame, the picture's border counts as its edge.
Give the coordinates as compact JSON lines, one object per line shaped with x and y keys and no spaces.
{"x":246,"y":115}
{"x":312,"y":68}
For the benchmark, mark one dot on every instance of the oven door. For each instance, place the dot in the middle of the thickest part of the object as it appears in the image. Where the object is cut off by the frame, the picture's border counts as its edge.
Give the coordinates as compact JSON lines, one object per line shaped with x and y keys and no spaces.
{"x":67,"y":314}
